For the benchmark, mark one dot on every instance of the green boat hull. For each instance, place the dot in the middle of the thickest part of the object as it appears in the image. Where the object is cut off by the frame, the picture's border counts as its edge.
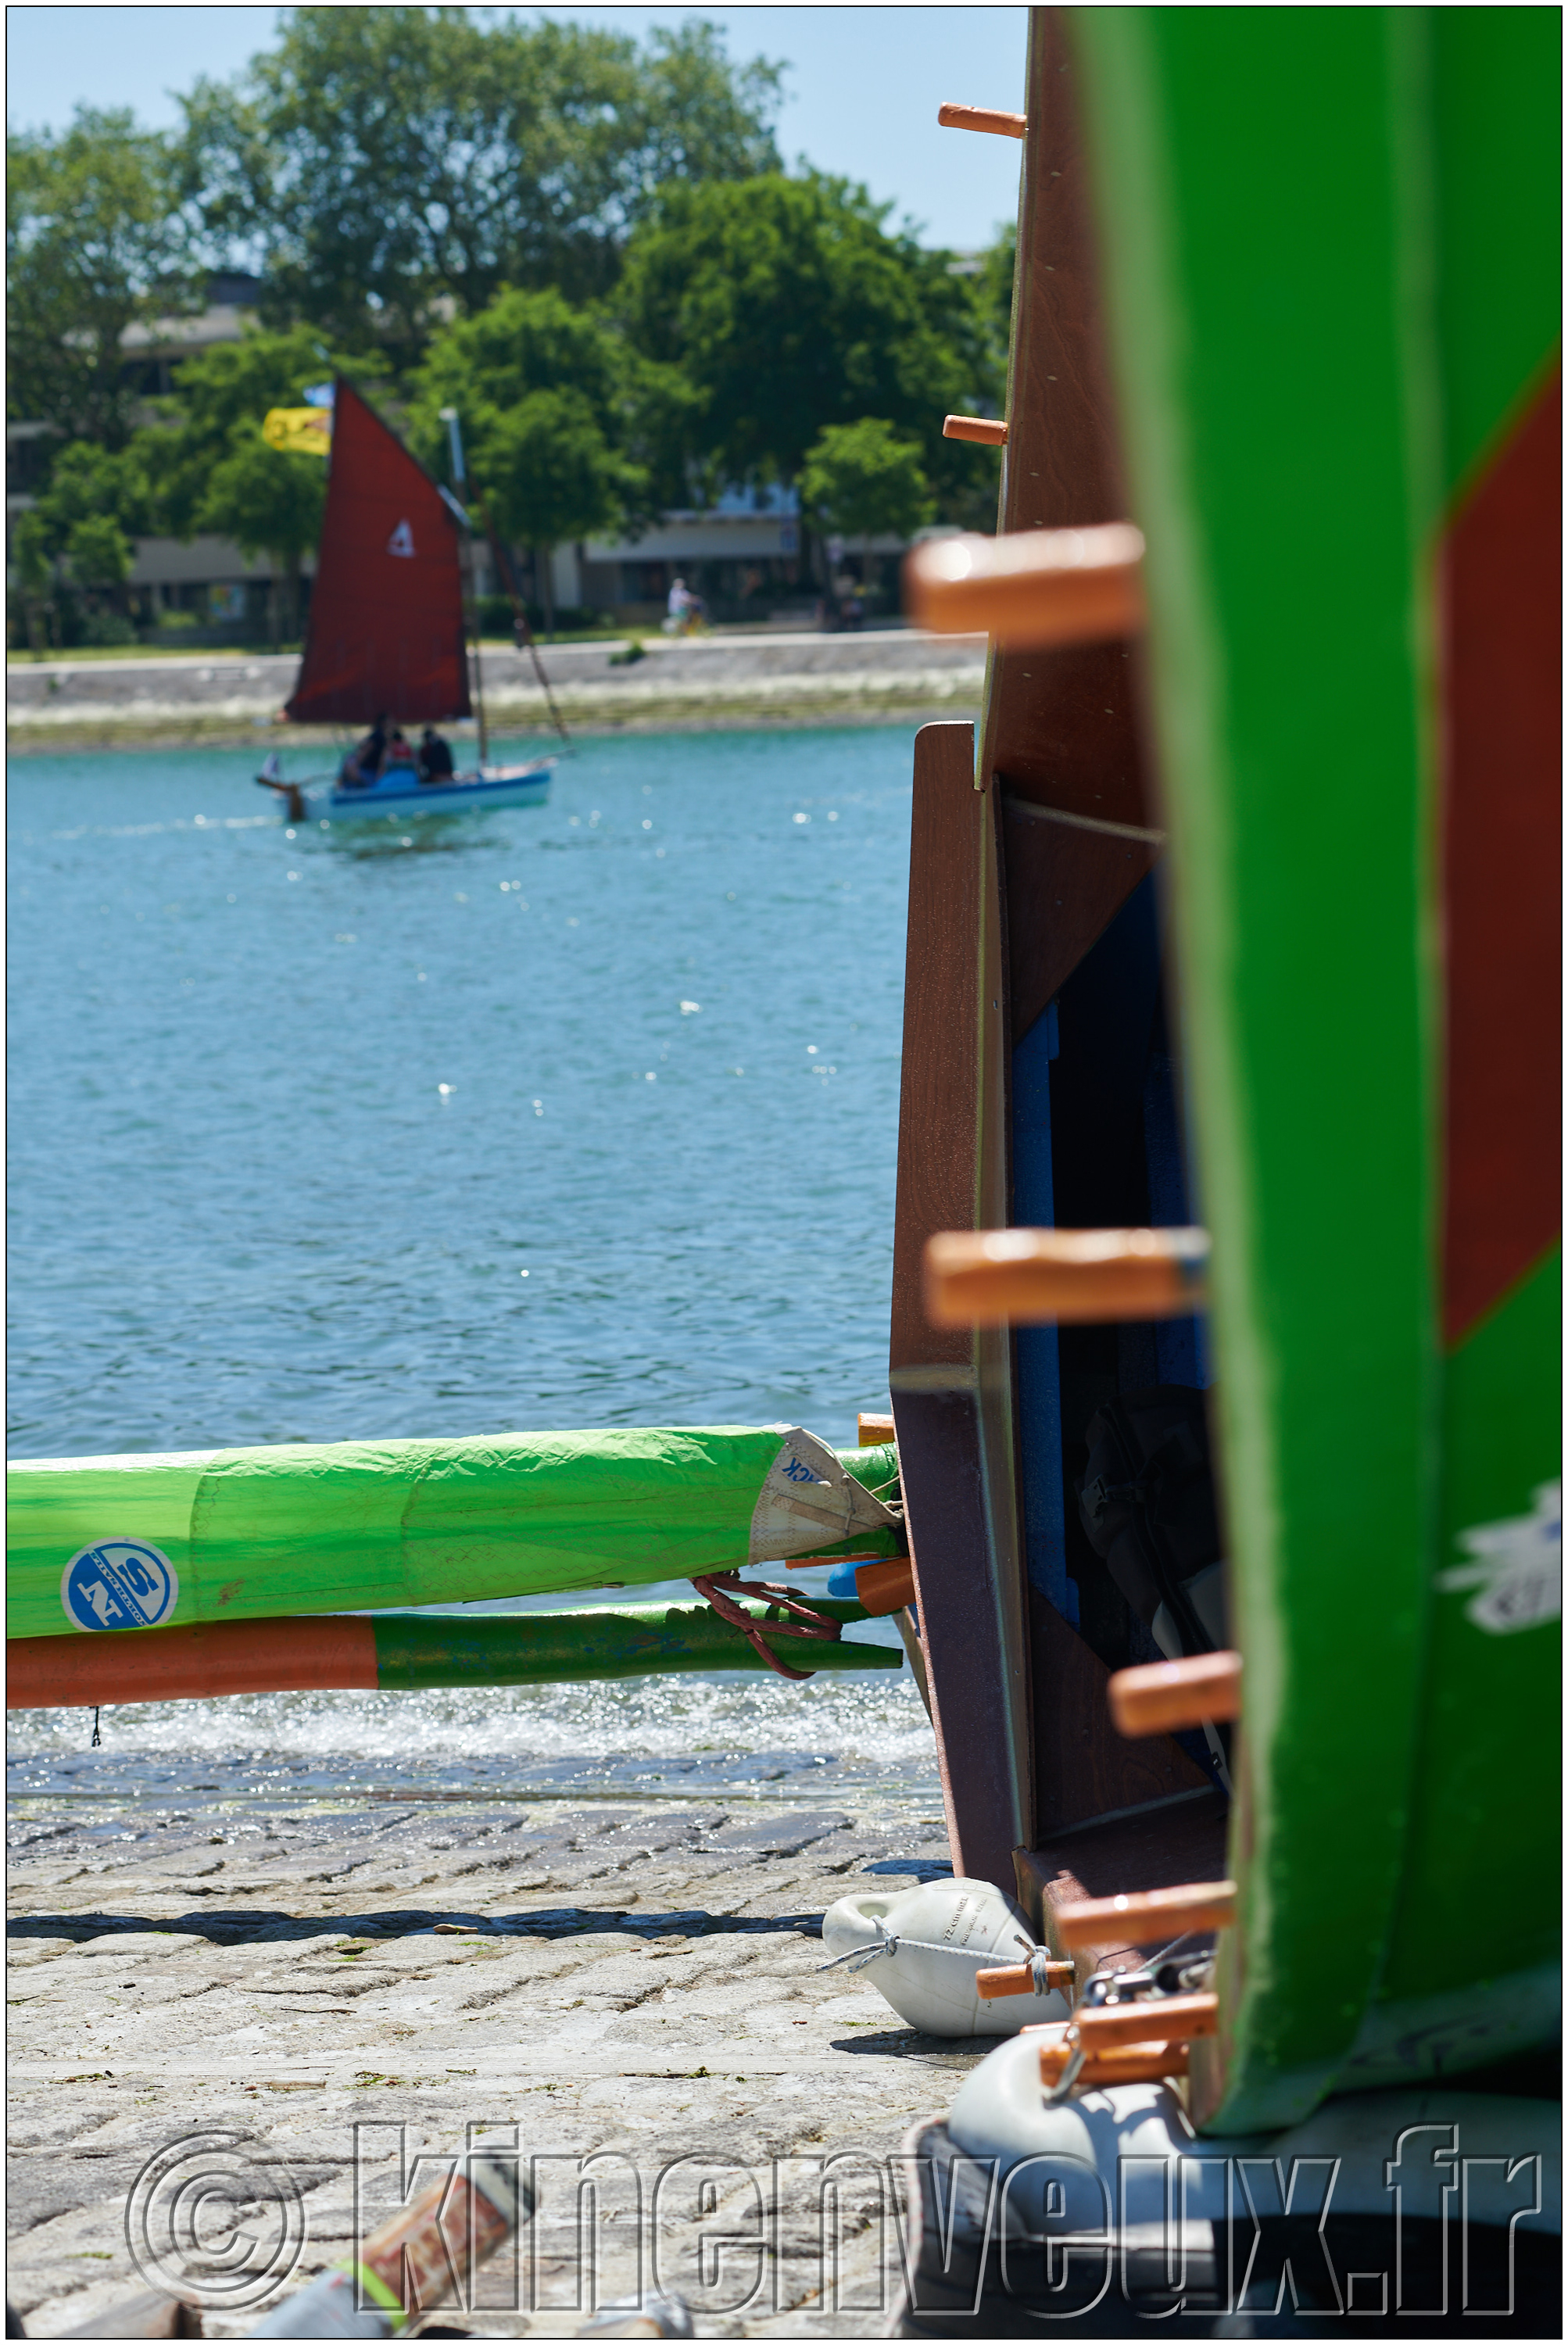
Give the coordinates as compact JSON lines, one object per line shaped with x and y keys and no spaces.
{"x":1338,"y":388}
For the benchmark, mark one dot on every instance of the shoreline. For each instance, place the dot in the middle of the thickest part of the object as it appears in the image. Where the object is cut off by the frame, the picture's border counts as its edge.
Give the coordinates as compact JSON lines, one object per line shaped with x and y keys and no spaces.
{"x":715,"y":684}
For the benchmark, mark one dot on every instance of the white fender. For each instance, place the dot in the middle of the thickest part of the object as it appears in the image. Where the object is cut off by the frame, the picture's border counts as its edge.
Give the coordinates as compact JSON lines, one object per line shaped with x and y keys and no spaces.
{"x":945,"y":1932}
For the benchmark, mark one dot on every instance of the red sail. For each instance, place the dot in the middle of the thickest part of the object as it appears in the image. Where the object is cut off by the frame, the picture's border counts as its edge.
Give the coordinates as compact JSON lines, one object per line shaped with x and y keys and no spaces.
{"x":385,"y":635}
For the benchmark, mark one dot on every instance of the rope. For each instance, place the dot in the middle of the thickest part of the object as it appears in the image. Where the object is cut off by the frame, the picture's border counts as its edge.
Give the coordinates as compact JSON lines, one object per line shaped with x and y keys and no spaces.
{"x":805,"y":1623}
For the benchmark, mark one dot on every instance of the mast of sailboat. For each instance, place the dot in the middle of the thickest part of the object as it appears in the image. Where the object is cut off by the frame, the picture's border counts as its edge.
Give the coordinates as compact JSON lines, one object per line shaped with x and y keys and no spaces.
{"x":522,"y":631}
{"x":460,"y":480}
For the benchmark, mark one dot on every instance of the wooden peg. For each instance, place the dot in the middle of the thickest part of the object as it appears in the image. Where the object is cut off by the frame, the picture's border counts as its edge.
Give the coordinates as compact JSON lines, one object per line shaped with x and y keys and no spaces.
{"x":1018,"y":1978}
{"x":1160,"y":1695}
{"x":1148,"y":1917}
{"x":1173,"y":2019}
{"x":983,"y":117}
{"x":885,"y":1587}
{"x":1122,"y":2063}
{"x":987,"y":430}
{"x":1034,"y":586}
{"x":986,"y":1277}
{"x":871,"y":1430}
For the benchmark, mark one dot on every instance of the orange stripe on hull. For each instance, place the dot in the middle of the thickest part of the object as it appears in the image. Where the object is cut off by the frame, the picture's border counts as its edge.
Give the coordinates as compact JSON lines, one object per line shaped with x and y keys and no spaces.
{"x":187,"y":1664}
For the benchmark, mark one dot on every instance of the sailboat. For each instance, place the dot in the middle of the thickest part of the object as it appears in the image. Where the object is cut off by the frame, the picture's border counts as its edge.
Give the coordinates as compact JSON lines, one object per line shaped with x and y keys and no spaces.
{"x":386,"y":638}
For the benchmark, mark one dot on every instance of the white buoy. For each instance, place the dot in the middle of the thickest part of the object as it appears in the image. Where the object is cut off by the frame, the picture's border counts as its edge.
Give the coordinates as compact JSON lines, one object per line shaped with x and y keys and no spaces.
{"x":921,"y":1948}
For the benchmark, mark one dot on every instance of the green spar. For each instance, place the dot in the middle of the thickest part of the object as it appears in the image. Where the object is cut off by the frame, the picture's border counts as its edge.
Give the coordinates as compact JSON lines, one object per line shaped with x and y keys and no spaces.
{"x":365,"y":1526}
{"x":624,"y":1641}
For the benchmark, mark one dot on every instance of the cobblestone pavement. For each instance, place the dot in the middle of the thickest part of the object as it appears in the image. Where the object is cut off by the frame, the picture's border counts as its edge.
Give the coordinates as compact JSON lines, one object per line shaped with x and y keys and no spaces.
{"x":240,"y":1987}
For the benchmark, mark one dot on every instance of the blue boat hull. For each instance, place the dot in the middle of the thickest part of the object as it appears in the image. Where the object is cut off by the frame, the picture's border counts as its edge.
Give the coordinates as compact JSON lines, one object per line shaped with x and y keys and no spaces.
{"x":396,"y":799}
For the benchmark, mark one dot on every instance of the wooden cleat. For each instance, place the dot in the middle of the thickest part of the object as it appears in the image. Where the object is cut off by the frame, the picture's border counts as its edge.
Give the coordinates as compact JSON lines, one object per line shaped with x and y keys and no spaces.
{"x":983,"y":117}
{"x":980,"y":1278}
{"x":1146,"y":1918}
{"x":1174,"y":2018}
{"x":872,"y":1429}
{"x":987,"y":430}
{"x":1161,"y":1695}
{"x":1123,"y":2064}
{"x":885,"y":1587}
{"x":1018,"y":1978}
{"x":1034,"y":586}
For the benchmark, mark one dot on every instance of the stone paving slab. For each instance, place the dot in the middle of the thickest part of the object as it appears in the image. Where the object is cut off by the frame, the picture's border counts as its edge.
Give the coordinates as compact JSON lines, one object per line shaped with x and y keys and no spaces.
{"x":245,"y":1997}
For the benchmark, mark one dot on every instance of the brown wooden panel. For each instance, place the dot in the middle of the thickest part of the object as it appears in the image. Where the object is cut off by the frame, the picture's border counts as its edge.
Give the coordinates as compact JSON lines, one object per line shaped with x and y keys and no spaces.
{"x":937,"y":1098}
{"x":1063,"y":726}
{"x":953,"y":1447}
{"x":1083,"y":1767}
{"x":975,"y":1670}
{"x":1160,"y":1848}
{"x":1066,"y":880}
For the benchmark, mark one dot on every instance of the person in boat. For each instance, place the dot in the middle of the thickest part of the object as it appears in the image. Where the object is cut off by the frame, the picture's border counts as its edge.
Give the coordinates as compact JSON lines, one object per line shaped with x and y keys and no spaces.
{"x":435,"y":757}
{"x":362,"y":766}
{"x":400,"y":755}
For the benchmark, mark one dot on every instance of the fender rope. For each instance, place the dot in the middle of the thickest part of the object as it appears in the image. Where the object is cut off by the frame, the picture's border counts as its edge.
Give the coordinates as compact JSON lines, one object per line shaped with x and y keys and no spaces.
{"x":804,"y":1623}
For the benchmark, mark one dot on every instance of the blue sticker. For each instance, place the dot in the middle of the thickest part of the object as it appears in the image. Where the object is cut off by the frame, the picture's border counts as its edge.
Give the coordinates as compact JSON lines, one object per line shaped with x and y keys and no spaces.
{"x":121,"y":1583}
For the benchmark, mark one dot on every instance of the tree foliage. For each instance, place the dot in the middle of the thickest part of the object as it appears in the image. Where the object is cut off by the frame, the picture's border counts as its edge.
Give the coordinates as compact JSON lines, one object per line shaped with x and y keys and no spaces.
{"x":382,"y":161}
{"x":208,"y":466}
{"x":864,"y":481}
{"x":790,"y":306}
{"x":559,"y":417}
{"x":94,"y":243}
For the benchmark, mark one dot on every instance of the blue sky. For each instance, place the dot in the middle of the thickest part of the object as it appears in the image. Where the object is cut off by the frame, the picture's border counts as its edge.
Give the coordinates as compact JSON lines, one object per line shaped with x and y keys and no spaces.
{"x":861,"y":92}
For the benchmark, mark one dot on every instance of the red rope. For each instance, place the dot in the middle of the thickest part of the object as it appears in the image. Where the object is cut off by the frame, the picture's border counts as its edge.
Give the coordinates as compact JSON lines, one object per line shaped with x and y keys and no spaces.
{"x":806,"y":1623}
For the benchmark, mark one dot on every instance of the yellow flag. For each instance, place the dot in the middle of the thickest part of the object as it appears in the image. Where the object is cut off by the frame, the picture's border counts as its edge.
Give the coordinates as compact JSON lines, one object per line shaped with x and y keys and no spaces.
{"x":303,"y":431}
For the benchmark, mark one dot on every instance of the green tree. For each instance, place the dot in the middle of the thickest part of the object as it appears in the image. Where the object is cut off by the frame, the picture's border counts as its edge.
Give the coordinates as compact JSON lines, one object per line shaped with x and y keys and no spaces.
{"x":864,"y":481}
{"x":550,"y":477}
{"x":209,"y":467}
{"x":790,"y":307}
{"x":565,"y":426}
{"x":383,"y":160}
{"x":269,"y":500}
{"x":96,"y":242}
{"x":76,"y":540}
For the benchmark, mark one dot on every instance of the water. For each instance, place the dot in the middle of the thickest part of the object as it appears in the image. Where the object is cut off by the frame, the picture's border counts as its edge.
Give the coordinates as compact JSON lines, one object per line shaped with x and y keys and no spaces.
{"x":575,"y":1116}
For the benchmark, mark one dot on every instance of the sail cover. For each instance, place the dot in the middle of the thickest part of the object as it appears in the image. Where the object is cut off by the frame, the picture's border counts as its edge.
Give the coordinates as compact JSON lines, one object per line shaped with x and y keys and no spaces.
{"x":159,"y":1541}
{"x":385,"y":634}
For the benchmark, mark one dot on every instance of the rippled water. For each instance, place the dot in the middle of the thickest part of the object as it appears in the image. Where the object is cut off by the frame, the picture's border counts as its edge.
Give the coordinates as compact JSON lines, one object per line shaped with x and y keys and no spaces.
{"x":572,"y":1116}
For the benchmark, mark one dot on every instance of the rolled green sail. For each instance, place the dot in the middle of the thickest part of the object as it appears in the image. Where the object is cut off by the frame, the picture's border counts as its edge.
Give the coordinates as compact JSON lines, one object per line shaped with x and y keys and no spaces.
{"x":132,"y":1542}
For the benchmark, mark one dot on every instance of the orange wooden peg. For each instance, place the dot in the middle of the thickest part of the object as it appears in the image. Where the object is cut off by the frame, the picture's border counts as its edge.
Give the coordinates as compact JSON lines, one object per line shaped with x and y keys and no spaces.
{"x":872,"y":1429}
{"x":987,"y":1278}
{"x":885,"y":1587}
{"x":983,"y":117}
{"x":1034,"y":586}
{"x":1146,"y":1918}
{"x":1123,"y":2064}
{"x":987,"y":430}
{"x":1160,"y":1695}
{"x":1174,"y":2018}
{"x":1018,"y":1978}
